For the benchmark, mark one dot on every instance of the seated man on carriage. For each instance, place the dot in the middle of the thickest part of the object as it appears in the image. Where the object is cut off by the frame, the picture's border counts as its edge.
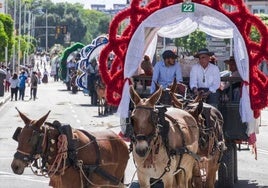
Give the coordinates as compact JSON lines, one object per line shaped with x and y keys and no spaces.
{"x":234,"y":87}
{"x":164,"y":73}
{"x":205,"y":77}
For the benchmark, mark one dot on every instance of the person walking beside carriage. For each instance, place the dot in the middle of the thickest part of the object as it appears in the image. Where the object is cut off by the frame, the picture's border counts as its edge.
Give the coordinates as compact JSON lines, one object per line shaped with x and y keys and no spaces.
{"x":14,"y":82}
{"x":205,"y":77}
{"x":93,"y":76}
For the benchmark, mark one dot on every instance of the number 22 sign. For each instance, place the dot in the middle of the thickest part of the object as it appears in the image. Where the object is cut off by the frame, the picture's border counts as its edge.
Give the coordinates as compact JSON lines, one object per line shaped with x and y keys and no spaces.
{"x":187,"y":7}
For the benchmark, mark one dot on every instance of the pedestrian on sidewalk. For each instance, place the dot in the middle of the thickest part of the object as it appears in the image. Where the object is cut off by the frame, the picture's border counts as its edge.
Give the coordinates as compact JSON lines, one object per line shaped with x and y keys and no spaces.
{"x":33,"y":83}
{"x":14,"y":82}
{"x":45,"y":77}
{"x":22,"y":85}
{"x":7,"y":83}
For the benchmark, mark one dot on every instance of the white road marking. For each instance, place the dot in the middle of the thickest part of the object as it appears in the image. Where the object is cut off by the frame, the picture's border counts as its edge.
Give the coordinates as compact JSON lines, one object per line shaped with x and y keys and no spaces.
{"x":22,"y":177}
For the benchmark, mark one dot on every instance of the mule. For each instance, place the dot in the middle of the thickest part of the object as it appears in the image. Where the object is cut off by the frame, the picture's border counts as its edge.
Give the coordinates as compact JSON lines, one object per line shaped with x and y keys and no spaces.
{"x":211,"y":141}
{"x":70,"y":157}
{"x":164,"y":142}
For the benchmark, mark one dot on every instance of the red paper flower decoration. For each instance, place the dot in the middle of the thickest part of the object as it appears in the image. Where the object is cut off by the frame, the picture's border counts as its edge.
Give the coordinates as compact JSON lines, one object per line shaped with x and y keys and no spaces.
{"x":241,"y":17}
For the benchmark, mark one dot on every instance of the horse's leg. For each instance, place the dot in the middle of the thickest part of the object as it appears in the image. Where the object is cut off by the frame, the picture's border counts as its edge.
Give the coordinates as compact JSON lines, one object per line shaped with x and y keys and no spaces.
{"x":106,"y":108}
{"x":99,"y":106}
{"x":71,"y":178}
{"x":169,"y":181}
{"x":143,"y":180}
{"x":102,"y":107}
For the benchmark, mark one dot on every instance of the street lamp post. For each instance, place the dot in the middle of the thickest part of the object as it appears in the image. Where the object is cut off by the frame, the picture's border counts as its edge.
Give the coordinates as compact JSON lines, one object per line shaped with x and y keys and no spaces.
{"x":19,"y":34}
{"x":46,"y":33}
{"x":14,"y":49}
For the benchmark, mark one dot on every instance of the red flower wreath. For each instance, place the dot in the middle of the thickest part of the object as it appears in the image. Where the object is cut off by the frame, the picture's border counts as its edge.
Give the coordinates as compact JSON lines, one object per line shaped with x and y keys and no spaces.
{"x":258,"y":52}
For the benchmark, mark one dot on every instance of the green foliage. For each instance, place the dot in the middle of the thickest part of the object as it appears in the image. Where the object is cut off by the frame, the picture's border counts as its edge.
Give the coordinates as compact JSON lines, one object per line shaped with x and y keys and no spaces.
{"x":66,"y":53}
{"x":60,"y":14}
{"x":254,"y":34}
{"x":97,"y":23}
{"x":191,"y":43}
{"x":6,"y":35}
{"x":103,"y":27}
{"x":4,"y":41}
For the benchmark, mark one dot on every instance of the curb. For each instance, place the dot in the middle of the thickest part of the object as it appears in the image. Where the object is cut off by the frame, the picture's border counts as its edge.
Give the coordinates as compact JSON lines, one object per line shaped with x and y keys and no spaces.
{"x":4,"y":99}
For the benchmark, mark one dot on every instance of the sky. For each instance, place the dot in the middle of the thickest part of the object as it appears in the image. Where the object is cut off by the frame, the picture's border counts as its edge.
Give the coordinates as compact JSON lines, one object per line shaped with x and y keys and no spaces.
{"x":87,"y":3}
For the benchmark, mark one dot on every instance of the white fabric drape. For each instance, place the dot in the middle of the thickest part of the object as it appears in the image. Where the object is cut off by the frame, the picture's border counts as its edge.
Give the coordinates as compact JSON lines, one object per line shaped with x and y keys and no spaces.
{"x":170,"y":22}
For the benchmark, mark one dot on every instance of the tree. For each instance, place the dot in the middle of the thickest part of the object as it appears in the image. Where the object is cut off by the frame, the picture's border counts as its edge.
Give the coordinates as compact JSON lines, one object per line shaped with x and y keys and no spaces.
{"x":255,"y":35}
{"x":104,"y":25}
{"x":191,"y":43}
{"x":96,"y":24}
{"x":63,"y":15}
{"x":6,"y":35}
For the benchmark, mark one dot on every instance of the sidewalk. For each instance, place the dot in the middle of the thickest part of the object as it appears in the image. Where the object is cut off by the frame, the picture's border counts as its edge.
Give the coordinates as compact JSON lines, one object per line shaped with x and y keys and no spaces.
{"x":5,"y":98}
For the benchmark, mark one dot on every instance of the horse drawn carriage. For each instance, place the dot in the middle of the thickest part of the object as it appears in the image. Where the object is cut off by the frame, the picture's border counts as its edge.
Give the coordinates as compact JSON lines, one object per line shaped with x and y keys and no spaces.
{"x":166,"y":141}
{"x":173,"y":19}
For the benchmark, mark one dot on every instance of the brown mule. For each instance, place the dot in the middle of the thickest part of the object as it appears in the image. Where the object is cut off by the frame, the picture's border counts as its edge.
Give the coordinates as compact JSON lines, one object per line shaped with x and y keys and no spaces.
{"x":211,"y":141}
{"x":70,"y":157}
{"x":164,"y":143}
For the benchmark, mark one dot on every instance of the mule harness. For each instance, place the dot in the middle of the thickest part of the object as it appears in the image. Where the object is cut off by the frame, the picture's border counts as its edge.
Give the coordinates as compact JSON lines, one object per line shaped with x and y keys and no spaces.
{"x":66,"y":155}
{"x":159,"y":122}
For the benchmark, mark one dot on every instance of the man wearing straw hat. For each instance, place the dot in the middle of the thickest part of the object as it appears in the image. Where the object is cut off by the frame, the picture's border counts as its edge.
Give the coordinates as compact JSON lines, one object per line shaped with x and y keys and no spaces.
{"x":205,"y":77}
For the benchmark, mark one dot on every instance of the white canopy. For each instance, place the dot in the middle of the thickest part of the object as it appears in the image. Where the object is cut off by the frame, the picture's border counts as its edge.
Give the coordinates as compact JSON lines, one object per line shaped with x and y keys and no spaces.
{"x":170,"y":22}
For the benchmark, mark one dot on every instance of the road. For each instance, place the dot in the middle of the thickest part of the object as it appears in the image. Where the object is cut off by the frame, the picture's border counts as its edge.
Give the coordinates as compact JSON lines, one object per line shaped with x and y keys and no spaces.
{"x":75,"y":110}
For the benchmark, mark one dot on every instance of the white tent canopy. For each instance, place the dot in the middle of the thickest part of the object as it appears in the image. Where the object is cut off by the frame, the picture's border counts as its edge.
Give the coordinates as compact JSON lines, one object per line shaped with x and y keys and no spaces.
{"x":169,"y":22}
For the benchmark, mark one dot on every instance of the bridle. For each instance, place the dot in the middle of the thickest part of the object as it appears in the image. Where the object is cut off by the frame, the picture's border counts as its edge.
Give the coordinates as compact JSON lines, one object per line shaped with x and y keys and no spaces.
{"x":153,"y":121}
{"x":37,"y":141}
{"x":64,"y":156}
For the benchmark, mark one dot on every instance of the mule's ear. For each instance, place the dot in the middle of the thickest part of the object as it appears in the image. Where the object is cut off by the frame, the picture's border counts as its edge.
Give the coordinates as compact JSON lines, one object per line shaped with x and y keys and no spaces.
{"x":25,"y":119}
{"x":197,"y":109}
{"x":173,"y":86}
{"x":156,"y":96}
{"x":199,"y":97}
{"x":40,"y":122}
{"x":200,"y":107}
{"x":175,"y":101}
{"x":134,"y":96}
{"x":157,"y":86}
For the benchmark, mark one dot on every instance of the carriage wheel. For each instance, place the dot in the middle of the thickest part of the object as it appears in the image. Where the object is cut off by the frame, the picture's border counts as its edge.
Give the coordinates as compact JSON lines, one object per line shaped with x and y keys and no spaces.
{"x":235,"y":164}
{"x":226,"y":173}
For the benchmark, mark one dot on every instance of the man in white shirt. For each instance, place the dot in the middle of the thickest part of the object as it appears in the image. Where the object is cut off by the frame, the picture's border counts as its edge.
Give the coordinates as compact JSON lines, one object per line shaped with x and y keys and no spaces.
{"x":205,"y":77}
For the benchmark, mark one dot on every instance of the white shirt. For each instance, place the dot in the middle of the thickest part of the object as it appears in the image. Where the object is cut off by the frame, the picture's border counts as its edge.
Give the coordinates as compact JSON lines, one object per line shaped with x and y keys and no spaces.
{"x":205,"y":78}
{"x":14,"y":83}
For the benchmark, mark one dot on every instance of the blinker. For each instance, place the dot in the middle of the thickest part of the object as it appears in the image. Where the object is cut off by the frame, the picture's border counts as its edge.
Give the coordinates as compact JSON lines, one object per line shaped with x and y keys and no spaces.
{"x":16,"y":134}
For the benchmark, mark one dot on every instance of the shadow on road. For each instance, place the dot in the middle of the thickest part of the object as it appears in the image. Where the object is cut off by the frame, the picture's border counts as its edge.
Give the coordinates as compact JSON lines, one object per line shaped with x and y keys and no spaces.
{"x":239,"y":184}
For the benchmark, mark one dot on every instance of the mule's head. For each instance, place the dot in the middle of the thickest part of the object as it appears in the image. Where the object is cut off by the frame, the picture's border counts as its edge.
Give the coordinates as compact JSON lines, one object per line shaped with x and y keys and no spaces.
{"x":144,"y":120}
{"x":30,"y":142}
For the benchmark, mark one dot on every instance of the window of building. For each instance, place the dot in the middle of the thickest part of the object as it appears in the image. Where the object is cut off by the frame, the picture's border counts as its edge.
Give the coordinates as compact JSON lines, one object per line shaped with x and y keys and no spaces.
{"x":255,"y":11}
{"x":262,"y":11}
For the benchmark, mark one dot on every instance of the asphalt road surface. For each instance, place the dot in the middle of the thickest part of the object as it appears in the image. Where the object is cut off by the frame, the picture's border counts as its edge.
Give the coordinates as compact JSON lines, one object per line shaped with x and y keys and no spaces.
{"x":75,"y":110}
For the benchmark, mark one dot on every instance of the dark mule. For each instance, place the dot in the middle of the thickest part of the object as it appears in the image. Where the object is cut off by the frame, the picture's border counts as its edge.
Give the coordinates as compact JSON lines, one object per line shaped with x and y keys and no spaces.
{"x":164,"y":142}
{"x":211,"y":141}
{"x":70,"y":157}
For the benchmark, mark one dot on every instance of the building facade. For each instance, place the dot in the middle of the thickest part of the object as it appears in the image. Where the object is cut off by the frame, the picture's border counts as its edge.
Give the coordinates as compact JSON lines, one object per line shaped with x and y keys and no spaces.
{"x":257,"y":6}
